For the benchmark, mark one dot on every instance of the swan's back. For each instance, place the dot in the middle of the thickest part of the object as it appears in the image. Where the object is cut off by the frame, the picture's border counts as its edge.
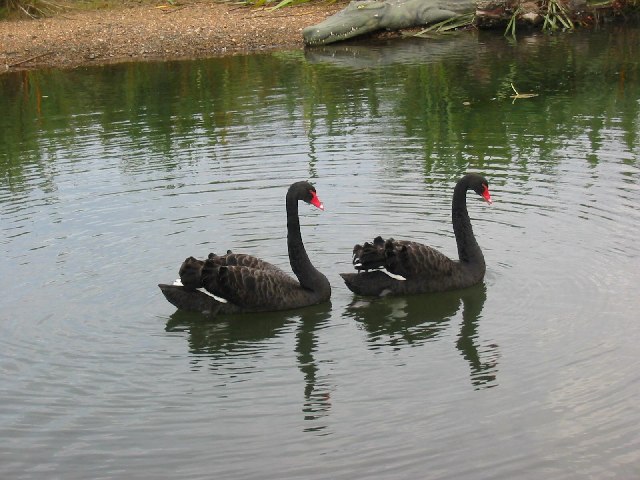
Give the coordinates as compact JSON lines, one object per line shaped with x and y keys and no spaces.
{"x":243,"y":260}
{"x":255,"y":289}
{"x":402,"y":257}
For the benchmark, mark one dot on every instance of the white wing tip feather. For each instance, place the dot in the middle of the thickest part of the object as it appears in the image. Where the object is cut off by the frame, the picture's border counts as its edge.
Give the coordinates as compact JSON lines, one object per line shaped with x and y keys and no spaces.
{"x":219,"y":299}
{"x":178,"y":283}
{"x":392,"y":275}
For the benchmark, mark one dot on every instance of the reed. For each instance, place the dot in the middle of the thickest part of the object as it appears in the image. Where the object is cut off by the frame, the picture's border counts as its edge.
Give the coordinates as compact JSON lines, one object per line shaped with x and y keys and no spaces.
{"x":556,"y":16}
{"x":454,"y":23}
{"x":29,"y":8}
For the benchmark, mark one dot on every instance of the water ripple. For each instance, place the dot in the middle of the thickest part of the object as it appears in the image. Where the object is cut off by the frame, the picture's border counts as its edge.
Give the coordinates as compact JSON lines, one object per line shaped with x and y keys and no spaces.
{"x":533,"y":371}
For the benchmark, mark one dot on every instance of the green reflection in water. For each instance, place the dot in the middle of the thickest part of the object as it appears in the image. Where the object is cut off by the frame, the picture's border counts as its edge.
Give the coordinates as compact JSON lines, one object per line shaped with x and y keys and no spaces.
{"x":451,"y":94}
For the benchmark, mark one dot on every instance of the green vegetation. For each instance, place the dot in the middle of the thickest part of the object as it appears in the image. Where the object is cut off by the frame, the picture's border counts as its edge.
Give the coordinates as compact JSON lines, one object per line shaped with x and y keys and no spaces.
{"x":555,"y":13}
{"x":556,"y":16}
{"x":44,"y":8}
{"x":454,"y":23}
{"x":511,"y":26}
{"x":275,"y":4}
{"x":28,"y":8}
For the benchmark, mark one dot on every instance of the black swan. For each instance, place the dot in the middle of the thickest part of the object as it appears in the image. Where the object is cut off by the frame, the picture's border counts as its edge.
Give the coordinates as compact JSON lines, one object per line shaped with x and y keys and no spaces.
{"x":403,"y":267}
{"x":236,"y":283}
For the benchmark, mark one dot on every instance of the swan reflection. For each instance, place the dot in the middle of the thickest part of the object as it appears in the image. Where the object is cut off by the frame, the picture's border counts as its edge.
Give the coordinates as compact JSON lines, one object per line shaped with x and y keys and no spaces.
{"x":317,"y":388}
{"x":398,"y":322}
{"x":220,"y":340}
{"x":482,"y":359}
{"x":233,"y":347}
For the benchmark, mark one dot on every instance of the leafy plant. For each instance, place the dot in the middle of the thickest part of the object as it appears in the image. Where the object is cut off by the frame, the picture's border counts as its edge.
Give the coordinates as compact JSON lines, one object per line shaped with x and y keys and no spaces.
{"x":511,"y":26}
{"x":31,"y":8}
{"x":556,"y":16}
{"x":447,"y":25}
{"x":278,"y":3}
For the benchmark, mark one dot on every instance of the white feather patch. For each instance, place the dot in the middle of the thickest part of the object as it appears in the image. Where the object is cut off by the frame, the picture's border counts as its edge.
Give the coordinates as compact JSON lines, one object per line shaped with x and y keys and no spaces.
{"x":392,"y":275}
{"x":178,"y":283}
{"x":219,"y":299}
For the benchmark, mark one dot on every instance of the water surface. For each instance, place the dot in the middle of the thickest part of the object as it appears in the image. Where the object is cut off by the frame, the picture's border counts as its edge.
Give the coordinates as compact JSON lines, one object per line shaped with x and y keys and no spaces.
{"x":111,"y":176}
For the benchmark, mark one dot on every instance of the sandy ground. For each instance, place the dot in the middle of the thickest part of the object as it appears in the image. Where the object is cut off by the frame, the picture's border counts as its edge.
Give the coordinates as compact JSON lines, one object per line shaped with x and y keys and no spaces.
{"x":191,"y":29}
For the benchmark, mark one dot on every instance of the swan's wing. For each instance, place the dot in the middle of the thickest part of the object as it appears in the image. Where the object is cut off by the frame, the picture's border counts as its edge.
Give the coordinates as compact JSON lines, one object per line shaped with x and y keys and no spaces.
{"x":249,"y":288}
{"x":401,"y":257}
{"x":412,"y":260}
{"x":374,"y":283}
{"x":244,"y":260}
{"x":191,"y":269}
{"x":191,"y":300}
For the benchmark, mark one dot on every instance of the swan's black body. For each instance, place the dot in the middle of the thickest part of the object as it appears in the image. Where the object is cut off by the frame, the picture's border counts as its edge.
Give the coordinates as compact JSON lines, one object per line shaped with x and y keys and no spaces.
{"x":249,"y":284}
{"x":423,"y":268}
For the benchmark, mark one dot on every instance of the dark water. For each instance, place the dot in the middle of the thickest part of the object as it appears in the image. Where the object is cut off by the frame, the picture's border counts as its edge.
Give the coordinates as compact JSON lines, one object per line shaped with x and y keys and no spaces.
{"x":111,"y":176}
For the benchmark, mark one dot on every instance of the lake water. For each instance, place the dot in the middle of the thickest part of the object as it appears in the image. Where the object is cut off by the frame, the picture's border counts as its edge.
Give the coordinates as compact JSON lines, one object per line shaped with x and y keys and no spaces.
{"x":111,"y":176}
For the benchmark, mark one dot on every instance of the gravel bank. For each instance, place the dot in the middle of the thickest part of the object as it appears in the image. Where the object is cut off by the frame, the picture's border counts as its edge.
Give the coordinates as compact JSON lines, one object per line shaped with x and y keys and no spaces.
{"x":152,"y":32}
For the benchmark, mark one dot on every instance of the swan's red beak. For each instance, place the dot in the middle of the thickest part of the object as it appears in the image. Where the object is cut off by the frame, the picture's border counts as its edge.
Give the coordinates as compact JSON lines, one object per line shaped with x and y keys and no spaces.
{"x":486,"y":195}
{"x":315,"y":201}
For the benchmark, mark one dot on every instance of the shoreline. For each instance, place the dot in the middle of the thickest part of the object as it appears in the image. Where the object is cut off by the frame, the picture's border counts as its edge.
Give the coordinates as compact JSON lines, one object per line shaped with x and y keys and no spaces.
{"x":192,"y":29}
{"x":151,"y":32}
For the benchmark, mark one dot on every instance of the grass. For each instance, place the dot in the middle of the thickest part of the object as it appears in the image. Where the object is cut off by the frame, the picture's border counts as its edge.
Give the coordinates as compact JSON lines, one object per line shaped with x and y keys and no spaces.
{"x":28,"y":8}
{"x":44,"y":8}
{"x":511,"y":26}
{"x":454,"y":23}
{"x":556,"y":17}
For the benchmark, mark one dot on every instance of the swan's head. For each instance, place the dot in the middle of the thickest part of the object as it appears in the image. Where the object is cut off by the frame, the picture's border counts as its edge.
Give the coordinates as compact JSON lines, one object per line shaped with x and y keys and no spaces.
{"x":481,"y":187}
{"x":306,"y":192}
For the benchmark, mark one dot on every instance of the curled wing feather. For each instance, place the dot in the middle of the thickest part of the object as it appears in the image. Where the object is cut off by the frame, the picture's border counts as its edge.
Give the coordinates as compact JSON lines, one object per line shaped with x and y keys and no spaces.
{"x":401,"y":257}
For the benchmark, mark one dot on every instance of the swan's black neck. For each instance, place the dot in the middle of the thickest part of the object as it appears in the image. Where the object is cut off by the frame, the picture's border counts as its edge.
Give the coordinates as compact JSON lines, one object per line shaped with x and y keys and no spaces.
{"x":469,"y":251}
{"x":307,"y":274}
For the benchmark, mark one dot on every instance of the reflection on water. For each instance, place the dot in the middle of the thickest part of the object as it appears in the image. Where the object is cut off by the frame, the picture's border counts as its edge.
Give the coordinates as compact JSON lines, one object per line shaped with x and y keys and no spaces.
{"x":218,"y":342}
{"x":400,"y":322}
{"x":317,"y":391}
{"x":405,"y":321}
{"x":110,"y":176}
{"x":354,"y":56}
{"x":225,"y":344}
{"x":482,"y":359}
